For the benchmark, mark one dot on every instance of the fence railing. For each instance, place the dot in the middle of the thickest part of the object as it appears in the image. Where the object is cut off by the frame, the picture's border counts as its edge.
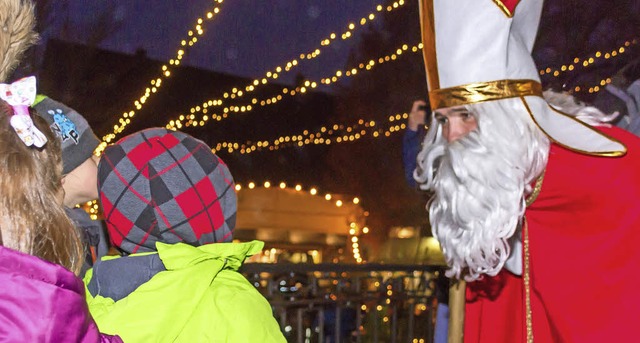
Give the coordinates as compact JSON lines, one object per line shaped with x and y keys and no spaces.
{"x":333,"y":303}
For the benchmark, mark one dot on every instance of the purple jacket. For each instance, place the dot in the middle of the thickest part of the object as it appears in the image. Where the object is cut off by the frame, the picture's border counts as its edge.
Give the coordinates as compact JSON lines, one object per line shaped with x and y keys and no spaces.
{"x":43,"y":302}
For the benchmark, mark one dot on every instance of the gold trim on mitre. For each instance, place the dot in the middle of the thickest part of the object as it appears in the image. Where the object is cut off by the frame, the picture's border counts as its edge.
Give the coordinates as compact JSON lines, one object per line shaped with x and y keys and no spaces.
{"x":503,"y":8}
{"x":483,"y":91}
{"x":579,"y":122}
{"x":428,"y":31}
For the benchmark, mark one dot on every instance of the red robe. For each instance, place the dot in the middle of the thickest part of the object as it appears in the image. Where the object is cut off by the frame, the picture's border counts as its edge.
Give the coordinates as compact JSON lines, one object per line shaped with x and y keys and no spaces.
{"x":584,"y":234}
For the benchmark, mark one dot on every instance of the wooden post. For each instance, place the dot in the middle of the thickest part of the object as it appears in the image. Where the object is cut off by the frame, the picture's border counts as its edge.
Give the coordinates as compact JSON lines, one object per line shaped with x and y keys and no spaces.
{"x":457,"y":297}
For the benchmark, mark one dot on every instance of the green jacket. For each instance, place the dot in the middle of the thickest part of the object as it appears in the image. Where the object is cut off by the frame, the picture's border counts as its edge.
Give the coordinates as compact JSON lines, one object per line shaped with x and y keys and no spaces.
{"x":200,"y":297}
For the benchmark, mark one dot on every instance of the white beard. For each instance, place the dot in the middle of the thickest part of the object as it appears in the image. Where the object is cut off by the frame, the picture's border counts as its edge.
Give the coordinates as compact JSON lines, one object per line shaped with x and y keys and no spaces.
{"x":480,"y":182}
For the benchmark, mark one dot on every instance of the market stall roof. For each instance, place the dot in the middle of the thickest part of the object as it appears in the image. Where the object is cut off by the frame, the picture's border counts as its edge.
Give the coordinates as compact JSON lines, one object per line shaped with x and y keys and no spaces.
{"x":277,"y":209}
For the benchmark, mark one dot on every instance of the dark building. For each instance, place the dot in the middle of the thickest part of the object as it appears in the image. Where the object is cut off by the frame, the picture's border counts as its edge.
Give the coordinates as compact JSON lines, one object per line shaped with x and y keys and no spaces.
{"x":102,"y":85}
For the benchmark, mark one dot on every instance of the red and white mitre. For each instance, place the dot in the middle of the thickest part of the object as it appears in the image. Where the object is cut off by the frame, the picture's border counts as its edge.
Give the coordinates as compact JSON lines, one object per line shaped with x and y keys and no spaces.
{"x":480,"y":50}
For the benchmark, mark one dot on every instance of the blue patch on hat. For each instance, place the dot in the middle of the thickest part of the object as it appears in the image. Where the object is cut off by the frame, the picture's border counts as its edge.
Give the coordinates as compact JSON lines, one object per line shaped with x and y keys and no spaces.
{"x":63,"y":126}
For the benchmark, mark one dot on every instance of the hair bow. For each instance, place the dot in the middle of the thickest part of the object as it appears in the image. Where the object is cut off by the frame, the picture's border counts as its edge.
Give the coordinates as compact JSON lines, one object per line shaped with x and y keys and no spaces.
{"x":20,"y":95}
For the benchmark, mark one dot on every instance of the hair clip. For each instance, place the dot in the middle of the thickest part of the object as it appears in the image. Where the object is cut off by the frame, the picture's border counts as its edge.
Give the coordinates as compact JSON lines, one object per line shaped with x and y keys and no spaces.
{"x":20,"y":95}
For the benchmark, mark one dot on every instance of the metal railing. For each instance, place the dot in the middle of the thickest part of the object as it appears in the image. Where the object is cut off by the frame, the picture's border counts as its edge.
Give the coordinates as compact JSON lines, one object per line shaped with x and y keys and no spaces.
{"x":333,"y":303}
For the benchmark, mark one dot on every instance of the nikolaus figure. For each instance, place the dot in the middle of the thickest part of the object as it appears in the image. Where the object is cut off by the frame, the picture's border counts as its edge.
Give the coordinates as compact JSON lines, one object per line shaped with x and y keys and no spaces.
{"x":536,"y":210}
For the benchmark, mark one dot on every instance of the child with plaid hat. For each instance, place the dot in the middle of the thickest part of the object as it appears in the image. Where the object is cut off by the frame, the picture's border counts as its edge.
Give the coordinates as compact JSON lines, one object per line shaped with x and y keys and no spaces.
{"x":166,"y":199}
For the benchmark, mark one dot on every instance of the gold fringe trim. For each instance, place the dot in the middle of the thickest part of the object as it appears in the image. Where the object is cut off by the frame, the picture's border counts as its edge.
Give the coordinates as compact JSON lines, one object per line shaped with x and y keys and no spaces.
{"x":536,"y":189}
{"x":527,"y":283}
{"x":583,"y":152}
{"x":503,"y":8}
{"x":483,"y":91}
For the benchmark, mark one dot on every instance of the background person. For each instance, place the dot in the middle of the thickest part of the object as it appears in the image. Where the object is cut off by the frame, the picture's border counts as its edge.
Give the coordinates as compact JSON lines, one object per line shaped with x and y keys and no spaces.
{"x":41,"y":299}
{"x":80,"y":171}
{"x":623,"y":96}
{"x":412,"y":139}
{"x":77,"y":139}
{"x":411,"y":145}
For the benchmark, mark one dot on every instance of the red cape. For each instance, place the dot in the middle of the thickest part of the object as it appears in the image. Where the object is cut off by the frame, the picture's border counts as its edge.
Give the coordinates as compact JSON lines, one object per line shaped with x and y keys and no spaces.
{"x":584,"y":234}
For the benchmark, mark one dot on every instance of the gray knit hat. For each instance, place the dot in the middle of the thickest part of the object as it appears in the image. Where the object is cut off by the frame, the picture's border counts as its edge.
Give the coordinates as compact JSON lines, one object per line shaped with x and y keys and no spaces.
{"x":78,"y":140}
{"x":158,"y":185}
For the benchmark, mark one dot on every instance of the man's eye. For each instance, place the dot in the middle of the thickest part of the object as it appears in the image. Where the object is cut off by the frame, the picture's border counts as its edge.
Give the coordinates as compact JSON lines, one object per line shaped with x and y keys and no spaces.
{"x":441,"y":119}
{"x":465,"y":115}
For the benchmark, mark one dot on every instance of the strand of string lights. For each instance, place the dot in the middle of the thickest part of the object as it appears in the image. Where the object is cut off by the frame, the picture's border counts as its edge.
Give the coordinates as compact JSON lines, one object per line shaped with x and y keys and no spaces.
{"x":190,"y":120}
{"x":587,"y":62}
{"x":156,"y":83}
{"x":351,"y":133}
{"x":355,"y":229}
{"x":594,"y":89}
{"x":340,"y":133}
{"x":92,"y":206}
{"x":127,"y":116}
{"x":275,"y":73}
{"x":326,"y":135}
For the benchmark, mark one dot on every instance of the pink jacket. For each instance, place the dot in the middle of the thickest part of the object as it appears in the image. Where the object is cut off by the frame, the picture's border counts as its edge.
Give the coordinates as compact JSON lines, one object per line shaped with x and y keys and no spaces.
{"x":43,"y":302}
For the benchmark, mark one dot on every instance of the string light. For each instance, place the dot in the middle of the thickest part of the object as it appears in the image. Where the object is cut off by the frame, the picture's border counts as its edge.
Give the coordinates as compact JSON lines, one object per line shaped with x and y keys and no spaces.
{"x":591,"y":60}
{"x":354,"y":227}
{"x":588,"y":61}
{"x":354,"y":230}
{"x":594,"y":89}
{"x":326,"y":135}
{"x":92,"y":208}
{"x":299,"y":188}
{"x":239,"y":92}
{"x":335,"y":134}
{"x":157,"y":82}
{"x":191,"y":120}
{"x":236,"y":93}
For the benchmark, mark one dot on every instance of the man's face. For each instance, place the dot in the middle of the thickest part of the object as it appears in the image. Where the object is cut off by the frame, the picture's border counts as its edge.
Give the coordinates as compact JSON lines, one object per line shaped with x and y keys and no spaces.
{"x":456,"y":122}
{"x":479,"y":182}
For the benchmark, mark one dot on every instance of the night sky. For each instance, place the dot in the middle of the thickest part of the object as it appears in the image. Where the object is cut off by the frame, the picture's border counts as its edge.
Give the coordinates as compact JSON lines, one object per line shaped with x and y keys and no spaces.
{"x":250,"y":37}
{"x":246,"y":38}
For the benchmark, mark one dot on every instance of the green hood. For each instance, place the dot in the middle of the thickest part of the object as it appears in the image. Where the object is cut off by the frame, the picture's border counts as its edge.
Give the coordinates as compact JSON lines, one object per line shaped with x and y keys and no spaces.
{"x":199,"y":298}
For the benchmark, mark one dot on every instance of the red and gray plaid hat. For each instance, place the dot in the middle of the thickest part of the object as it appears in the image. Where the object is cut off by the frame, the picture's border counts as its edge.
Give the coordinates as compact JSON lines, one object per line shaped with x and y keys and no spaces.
{"x":161,"y":185}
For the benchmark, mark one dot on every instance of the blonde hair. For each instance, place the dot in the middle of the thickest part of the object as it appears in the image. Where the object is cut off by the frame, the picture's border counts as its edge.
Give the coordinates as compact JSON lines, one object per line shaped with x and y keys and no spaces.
{"x":32,"y":218}
{"x":17,"y":33}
